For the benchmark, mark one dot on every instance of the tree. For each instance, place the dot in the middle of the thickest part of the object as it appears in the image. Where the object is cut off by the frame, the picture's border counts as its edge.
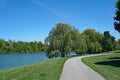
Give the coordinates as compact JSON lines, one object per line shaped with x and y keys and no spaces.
{"x":12,"y":46}
{"x":56,"y":39}
{"x":108,"y":41}
{"x":80,"y":44}
{"x":118,"y":40}
{"x":2,"y":46}
{"x":118,"y":45}
{"x":62,"y":38}
{"x":93,"y":41}
{"x":117,"y":17}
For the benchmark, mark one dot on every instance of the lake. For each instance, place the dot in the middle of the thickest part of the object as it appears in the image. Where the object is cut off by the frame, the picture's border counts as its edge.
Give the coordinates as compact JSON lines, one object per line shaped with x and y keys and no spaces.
{"x":8,"y":61}
{"x":13,"y":60}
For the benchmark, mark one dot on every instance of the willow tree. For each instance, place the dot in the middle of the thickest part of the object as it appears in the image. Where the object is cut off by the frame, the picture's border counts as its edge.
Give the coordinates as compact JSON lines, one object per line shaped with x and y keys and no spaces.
{"x":93,"y":40}
{"x":61,"y":40}
{"x":80,"y":44}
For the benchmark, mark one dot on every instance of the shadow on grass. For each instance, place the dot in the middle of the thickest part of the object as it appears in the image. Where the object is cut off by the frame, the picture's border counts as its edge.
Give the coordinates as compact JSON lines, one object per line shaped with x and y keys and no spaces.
{"x":115,"y":61}
{"x":114,"y":58}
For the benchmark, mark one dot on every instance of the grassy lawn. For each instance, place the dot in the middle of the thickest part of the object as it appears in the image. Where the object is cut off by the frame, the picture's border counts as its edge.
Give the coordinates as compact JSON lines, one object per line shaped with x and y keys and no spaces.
{"x":107,"y":65}
{"x":47,"y":70}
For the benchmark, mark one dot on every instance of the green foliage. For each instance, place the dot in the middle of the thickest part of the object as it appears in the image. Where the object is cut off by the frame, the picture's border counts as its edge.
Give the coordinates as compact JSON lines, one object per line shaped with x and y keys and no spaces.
{"x":117,"y":17}
{"x":67,"y":49}
{"x":54,"y":53}
{"x":62,"y":38}
{"x":3,"y":46}
{"x":108,"y":42}
{"x":11,"y":46}
{"x":81,"y":44}
{"x":118,"y":45}
{"x":66,"y":38}
{"x":93,"y":41}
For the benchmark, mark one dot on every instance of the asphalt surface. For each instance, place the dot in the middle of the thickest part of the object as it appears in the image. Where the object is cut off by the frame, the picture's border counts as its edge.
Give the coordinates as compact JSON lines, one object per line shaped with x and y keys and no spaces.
{"x":74,"y":69}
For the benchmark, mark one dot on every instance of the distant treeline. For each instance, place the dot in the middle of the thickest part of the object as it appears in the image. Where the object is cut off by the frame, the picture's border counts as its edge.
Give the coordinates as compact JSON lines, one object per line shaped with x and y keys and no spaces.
{"x":12,"y":46}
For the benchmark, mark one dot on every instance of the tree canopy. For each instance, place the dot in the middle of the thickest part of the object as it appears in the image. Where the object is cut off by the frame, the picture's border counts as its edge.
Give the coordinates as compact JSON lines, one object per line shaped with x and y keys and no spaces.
{"x":94,"y":39}
{"x":12,"y":46}
{"x":117,"y":17}
{"x":108,"y":42}
{"x":61,"y":38}
{"x":64,"y":38}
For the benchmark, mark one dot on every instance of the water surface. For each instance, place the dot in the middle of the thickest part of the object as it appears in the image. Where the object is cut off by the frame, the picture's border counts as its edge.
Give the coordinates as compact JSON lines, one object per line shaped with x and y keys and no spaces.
{"x":13,"y":60}
{"x":8,"y":61}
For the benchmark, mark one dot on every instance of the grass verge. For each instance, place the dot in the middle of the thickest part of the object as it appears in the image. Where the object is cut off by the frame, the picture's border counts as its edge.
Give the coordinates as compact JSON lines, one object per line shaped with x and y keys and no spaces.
{"x":107,"y":65}
{"x":47,"y":70}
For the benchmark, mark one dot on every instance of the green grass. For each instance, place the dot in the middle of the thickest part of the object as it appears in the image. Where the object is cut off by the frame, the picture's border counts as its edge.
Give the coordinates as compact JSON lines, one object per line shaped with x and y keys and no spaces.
{"x":107,"y":65}
{"x":116,"y":51}
{"x":47,"y":70}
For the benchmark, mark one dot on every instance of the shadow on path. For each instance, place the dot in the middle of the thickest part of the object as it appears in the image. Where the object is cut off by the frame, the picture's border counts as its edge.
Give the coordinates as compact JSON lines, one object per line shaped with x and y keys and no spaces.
{"x":114,"y":61}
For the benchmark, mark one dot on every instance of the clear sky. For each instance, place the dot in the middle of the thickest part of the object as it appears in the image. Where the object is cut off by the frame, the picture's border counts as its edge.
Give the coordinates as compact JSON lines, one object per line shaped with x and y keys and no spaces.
{"x":31,"y":20}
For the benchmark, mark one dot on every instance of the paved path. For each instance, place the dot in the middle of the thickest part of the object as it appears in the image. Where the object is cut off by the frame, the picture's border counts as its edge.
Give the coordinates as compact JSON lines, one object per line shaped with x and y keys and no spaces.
{"x":74,"y":69}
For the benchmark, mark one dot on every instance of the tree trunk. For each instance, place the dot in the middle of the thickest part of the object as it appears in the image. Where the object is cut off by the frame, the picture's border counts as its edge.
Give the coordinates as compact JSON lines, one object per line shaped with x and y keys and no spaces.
{"x":62,"y":54}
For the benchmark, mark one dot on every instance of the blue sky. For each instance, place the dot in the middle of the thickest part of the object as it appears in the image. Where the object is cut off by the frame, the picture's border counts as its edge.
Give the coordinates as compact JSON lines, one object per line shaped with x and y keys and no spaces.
{"x":31,"y":20}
